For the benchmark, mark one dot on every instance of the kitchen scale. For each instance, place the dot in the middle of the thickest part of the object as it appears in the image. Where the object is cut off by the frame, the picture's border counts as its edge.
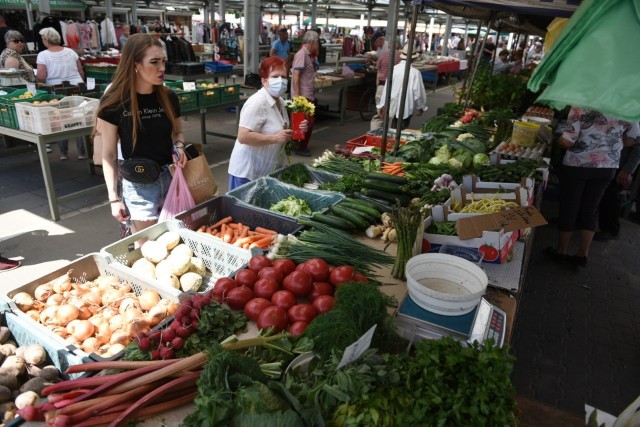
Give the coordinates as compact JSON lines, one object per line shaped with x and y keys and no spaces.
{"x":484,"y":322}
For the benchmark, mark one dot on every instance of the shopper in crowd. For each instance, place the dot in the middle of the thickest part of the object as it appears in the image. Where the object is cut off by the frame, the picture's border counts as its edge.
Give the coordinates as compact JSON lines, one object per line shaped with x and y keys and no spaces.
{"x":594,"y":143}
{"x":57,"y":64}
{"x":126,"y":32}
{"x":263,"y":127}
{"x":416,"y":98}
{"x":282,"y":46}
{"x":611,"y":203}
{"x":488,"y":51}
{"x":382,"y":68}
{"x":11,"y":58}
{"x":377,"y":47}
{"x":535,"y":55}
{"x":144,"y":115}
{"x":3,"y":32}
{"x":304,"y":72}
{"x":502,"y":65}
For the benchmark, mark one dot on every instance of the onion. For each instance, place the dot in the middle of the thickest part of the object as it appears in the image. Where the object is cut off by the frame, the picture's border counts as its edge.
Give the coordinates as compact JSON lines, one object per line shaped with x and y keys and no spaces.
{"x":116,"y":322}
{"x":128,"y":304}
{"x":148,"y":299}
{"x":139,"y":326}
{"x":119,"y":337}
{"x":97,"y":320}
{"x":104,"y":283}
{"x":24,"y":301}
{"x":132,"y":314}
{"x":103,"y":333}
{"x":80,"y":329}
{"x":34,"y":314}
{"x":124,"y":288}
{"x":113,"y":350}
{"x":172,"y":307}
{"x":61,"y":284}
{"x":90,"y":345}
{"x":157,"y":314}
{"x":83,"y":307}
{"x":48,"y":315}
{"x":92,"y":298}
{"x":60,"y":330}
{"x":70,"y":340}
{"x":66,"y":313}
{"x":43,"y":292}
{"x":55,"y":299}
{"x":109,"y":312}
{"x":109,"y":297}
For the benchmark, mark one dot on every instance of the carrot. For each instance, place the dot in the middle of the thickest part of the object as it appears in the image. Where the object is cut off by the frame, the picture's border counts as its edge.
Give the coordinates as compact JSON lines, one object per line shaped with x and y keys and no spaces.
{"x":262,"y":243}
{"x":202,"y":229}
{"x":227,"y":235}
{"x":233,"y":225}
{"x":245,"y":232}
{"x":226,"y":220}
{"x":265,"y":231}
{"x":250,"y":239}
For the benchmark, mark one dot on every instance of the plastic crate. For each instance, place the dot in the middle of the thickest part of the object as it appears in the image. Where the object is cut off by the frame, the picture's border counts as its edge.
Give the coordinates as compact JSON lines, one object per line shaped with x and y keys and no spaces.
{"x":8,"y":116}
{"x":69,"y":113}
{"x":188,"y":99}
{"x":264,"y":192}
{"x":187,"y":68}
{"x":316,"y":176}
{"x":230,"y":93}
{"x":220,"y":258}
{"x":213,"y":210}
{"x":210,"y":96}
{"x":100,"y":71}
{"x":371,"y":141}
{"x":217,"y":67}
{"x":84,"y":269}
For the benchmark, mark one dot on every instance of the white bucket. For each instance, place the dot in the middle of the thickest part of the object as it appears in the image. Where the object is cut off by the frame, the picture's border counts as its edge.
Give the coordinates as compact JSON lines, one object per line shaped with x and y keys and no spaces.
{"x":445,"y":284}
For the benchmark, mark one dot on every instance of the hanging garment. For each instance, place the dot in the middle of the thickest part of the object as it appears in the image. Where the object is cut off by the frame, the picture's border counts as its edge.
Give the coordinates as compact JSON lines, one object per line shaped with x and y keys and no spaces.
{"x":95,"y":35}
{"x":85,"y":35}
{"x":108,"y":33}
{"x":73,"y":36}
{"x":63,"y":27}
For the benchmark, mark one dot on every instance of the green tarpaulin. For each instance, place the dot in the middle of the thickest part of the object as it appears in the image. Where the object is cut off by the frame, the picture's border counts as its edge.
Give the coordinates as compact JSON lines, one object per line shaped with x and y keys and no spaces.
{"x":54,"y":4}
{"x":593,"y":63}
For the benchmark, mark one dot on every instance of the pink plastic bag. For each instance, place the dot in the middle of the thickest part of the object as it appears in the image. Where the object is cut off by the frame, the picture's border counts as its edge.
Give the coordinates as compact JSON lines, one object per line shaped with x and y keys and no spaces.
{"x":178,"y":199}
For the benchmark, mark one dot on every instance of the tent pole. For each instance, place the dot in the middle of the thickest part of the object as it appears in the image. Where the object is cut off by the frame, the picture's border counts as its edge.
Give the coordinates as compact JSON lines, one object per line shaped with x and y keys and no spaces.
{"x":474,"y":58}
{"x":475,"y":66}
{"x":394,"y":6}
{"x":405,"y":79}
{"x":495,"y":52}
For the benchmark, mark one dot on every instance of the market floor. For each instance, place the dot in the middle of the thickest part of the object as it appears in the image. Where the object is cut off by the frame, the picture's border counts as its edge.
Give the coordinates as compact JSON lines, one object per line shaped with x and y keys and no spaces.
{"x":577,"y":334}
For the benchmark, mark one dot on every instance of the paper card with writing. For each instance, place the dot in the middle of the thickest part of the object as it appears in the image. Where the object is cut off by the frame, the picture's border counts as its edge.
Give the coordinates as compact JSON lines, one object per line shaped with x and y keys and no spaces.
{"x":31,"y":87}
{"x":355,"y":350}
{"x":91,"y":83}
{"x":189,"y":85}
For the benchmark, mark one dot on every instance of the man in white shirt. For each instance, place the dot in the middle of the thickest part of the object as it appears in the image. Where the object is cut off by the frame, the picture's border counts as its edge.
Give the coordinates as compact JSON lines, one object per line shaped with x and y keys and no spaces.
{"x":416,"y":99}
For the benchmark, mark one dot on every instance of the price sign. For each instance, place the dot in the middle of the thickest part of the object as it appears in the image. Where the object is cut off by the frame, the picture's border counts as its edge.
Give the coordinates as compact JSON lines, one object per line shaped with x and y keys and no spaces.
{"x":189,"y":85}
{"x":91,"y":83}
{"x":355,"y":350}
{"x":31,"y":87}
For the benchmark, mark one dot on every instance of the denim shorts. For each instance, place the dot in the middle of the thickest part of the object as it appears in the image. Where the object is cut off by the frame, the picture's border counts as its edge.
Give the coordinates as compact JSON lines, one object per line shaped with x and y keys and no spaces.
{"x":144,"y":201}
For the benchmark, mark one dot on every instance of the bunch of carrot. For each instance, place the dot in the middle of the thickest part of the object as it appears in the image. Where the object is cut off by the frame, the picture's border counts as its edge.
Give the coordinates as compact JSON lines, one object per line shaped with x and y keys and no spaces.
{"x":395,"y":168}
{"x":240,"y":235}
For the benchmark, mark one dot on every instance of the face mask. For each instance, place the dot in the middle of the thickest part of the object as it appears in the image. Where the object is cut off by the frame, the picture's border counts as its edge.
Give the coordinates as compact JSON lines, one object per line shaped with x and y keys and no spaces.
{"x":277,"y":86}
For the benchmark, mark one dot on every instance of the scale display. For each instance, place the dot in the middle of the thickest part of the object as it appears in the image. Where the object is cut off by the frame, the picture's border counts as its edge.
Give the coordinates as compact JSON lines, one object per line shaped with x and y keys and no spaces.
{"x":484,"y":322}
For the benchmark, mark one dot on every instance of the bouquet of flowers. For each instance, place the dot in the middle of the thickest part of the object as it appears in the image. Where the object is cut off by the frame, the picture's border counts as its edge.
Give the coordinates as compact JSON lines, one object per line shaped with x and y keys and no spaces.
{"x":300,"y":108}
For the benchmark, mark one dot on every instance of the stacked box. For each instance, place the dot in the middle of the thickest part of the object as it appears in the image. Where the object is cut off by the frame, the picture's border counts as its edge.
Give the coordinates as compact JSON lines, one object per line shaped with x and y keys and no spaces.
{"x":8,"y":116}
{"x":70,"y":112}
{"x":230,"y":93}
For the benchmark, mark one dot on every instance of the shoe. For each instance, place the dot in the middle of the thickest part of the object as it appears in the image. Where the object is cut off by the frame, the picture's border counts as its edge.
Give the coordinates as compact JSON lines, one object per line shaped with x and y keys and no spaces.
{"x":63,"y":157}
{"x":7,"y":264}
{"x":49,"y":150}
{"x":603,"y":236}
{"x":580,"y":261}
{"x":553,"y":254}
{"x":303,"y":152}
{"x":82,"y":157}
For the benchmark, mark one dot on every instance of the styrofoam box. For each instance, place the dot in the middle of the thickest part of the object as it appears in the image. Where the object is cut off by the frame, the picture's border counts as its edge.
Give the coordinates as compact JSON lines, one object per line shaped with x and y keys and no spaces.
{"x":221,"y":259}
{"x":27,"y":331}
{"x":69,"y":113}
{"x":472,"y":184}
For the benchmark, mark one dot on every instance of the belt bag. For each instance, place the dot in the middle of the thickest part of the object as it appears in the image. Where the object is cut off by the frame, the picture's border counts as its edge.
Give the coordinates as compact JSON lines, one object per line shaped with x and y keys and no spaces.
{"x":140,"y":170}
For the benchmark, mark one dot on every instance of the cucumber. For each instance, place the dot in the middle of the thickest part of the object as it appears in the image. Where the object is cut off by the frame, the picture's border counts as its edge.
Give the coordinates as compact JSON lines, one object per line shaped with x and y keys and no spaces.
{"x":361,"y":202}
{"x":389,"y":187}
{"x":353,"y":218}
{"x":370,"y":212}
{"x":371,"y":219}
{"x":386,"y":177}
{"x":333,"y":221}
{"x":388,"y":197}
{"x":380,"y":205}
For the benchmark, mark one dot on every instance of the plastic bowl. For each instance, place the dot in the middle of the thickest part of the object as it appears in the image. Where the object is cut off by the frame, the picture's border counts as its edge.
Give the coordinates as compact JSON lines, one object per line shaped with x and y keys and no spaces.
{"x":445,"y":284}
{"x":539,"y":120}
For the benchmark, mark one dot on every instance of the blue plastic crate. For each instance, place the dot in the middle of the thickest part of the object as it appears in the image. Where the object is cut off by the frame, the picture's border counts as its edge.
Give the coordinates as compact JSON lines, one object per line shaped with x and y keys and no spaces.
{"x":356,"y":66}
{"x":429,"y":76}
{"x":217,"y":67}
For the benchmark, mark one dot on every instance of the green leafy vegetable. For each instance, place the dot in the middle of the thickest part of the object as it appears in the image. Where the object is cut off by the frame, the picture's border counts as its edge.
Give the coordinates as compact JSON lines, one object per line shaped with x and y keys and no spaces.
{"x":346,"y":184}
{"x":296,"y":174}
{"x":292,"y":206}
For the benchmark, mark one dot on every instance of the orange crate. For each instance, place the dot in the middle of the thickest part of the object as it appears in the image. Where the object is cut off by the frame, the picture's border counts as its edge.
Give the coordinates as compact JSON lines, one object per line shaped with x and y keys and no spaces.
{"x":370,"y":141}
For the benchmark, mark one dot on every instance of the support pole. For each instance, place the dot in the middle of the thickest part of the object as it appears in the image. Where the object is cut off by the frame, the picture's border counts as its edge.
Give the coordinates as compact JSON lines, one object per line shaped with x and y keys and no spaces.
{"x":392,"y":28}
{"x":252,"y":22}
{"x":447,"y":35}
{"x":475,"y":68}
{"x":314,"y":13}
{"x":473,"y":59}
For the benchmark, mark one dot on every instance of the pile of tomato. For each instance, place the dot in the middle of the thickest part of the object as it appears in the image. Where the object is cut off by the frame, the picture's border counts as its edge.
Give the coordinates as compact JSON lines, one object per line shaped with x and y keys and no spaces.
{"x":282,"y":295}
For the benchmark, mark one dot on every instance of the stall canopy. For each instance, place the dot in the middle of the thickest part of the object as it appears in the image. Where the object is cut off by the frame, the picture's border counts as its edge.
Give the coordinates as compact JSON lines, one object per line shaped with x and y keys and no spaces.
{"x":588,"y":66}
{"x":54,"y":4}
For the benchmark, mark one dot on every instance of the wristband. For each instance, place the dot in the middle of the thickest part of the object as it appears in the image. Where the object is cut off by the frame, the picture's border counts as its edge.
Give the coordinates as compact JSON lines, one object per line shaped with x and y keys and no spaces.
{"x":115,"y":201}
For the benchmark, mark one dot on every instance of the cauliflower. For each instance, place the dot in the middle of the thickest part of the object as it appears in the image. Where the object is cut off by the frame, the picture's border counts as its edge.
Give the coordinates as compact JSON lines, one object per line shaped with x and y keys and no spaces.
{"x":197,"y":266}
{"x":178,"y":264}
{"x":154,"y":251}
{"x":170,"y":280}
{"x":190,"y":282}
{"x":145,"y":267}
{"x":455,"y":163}
{"x":182,"y":249}
{"x":170,"y":239}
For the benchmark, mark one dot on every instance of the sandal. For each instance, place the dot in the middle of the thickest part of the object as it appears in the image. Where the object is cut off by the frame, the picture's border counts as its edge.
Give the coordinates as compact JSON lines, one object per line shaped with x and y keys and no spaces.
{"x":553,"y":254}
{"x":63,"y":157}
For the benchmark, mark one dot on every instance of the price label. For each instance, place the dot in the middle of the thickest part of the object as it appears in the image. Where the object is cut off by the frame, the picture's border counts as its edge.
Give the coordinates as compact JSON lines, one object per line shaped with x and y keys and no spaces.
{"x":31,"y":87}
{"x":188,"y":85}
{"x":355,"y":350}
{"x":91,"y":83}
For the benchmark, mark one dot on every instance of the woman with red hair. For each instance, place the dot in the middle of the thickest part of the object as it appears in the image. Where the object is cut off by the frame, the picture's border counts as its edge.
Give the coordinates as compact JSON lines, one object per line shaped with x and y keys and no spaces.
{"x":263,"y":127}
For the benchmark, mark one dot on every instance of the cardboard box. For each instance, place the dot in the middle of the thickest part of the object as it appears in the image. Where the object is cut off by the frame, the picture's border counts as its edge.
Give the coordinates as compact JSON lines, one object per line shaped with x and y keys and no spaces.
{"x":472,"y":184}
{"x":507,"y":220}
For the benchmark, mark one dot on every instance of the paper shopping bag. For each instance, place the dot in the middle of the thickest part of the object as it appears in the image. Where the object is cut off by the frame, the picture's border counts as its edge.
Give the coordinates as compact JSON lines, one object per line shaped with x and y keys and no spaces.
{"x":200,"y":179}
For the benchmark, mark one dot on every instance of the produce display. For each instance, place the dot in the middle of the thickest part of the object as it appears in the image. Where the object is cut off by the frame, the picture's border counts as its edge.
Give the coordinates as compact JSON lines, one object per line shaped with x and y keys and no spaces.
{"x":508,"y":172}
{"x":239,"y":235}
{"x":292,"y":206}
{"x":485,"y":205}
{"x":100,"y":316}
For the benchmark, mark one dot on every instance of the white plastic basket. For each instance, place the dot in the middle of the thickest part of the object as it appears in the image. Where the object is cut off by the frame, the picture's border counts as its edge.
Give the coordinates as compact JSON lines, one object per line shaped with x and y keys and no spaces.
{"x":27,"y":331}
{"x":220,"y":258}
{"x":69,"y":113}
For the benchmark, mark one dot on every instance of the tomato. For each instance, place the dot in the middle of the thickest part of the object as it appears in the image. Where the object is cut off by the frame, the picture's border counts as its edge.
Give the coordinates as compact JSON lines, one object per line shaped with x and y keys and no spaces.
{"x":285,"y":265}
{"x":283,"y":299}
{"x":318,"y":269}
{"x":271,"y":273}
{"x":298,"y":282}
{"x":254,"y":307}
{"x":360,"y":278}
{"x":246,"y":277}
{"x":489,"y":253}
{"x":426,"y":246}
{"x":297,"y":328}
{"x":324,"y":303}
{"x":222,"y":286}
{"x":300,"y":267}
{"x":320,"y":288}
{"x":238,"y":297}
{"x":344,"y":273}
{"x":302,"y":313}
{"x":259,"y":261}
{"x":274,"y":317}
{"x":265,"y":288}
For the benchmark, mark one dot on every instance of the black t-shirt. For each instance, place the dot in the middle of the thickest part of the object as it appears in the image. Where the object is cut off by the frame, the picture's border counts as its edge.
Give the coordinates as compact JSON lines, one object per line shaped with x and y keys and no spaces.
{"x":491,"y":47}
{"x":3,"y":44}
{"x":155,"y":135}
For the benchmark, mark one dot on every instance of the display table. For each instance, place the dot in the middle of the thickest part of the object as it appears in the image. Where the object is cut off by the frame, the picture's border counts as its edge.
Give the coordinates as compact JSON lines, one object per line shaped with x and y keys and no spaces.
{"x":205,"y":76}
{"x":446,"y":67}
{"x":341,"y":85}
{"x":41,"y":141}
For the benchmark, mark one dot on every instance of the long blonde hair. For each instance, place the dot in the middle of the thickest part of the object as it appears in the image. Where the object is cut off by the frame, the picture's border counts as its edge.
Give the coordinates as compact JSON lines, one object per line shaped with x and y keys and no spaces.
{"x":123,"y":86}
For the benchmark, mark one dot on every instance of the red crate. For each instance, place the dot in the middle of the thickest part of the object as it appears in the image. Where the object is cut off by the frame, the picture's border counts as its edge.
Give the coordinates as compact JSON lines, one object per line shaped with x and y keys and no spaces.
{"x":370,"y":141}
